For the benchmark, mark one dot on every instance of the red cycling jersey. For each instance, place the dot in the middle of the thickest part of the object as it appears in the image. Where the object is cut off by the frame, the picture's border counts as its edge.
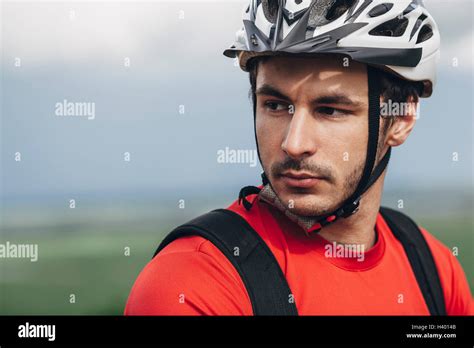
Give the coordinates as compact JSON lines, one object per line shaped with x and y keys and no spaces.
{"x":191,"y":276}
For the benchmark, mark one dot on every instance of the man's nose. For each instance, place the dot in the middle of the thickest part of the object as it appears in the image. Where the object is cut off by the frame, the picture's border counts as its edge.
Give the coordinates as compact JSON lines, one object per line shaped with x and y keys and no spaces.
{"x":299,"y":140}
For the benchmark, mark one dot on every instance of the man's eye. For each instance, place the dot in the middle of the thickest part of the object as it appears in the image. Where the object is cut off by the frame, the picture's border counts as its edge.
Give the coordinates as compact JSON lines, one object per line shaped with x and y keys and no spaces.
{"x":276,"y":106}
{"x":325,"y":110}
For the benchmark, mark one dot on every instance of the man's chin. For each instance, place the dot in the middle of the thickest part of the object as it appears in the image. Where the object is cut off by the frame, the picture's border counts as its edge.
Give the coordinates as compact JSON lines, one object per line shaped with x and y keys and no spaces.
{"x":308,"y":205}
{"x":309,"y":212}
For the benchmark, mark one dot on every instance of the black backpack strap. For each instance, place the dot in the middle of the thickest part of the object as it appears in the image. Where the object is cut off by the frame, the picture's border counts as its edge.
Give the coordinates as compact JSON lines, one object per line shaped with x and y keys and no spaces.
{"x":420,"y":257}
{"x":260,"y":272}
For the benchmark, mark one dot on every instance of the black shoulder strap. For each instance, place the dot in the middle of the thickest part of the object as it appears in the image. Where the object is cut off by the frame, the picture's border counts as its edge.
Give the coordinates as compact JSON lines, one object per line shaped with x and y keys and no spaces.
{"x":420,"y":257}
{"x":240,"y":243}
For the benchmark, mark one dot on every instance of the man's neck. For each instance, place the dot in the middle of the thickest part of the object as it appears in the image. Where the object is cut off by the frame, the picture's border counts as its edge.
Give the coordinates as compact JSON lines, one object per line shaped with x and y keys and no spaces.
{"x":359,"y":228}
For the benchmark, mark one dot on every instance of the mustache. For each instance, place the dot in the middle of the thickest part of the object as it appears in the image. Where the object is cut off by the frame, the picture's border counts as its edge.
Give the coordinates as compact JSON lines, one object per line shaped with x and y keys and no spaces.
{"x":321,"y":171}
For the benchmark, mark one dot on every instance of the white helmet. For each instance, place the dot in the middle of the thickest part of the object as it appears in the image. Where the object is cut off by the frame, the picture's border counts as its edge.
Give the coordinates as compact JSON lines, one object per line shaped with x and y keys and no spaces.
{"x":397,"y":35}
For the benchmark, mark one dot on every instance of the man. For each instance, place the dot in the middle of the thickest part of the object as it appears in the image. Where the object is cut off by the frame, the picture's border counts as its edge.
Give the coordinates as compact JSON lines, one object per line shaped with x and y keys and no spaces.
{"x":320,"y":74}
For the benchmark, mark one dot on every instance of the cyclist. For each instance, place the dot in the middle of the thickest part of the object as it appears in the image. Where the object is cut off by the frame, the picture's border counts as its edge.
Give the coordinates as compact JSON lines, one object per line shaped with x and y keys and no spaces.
{"x":320,"y":71}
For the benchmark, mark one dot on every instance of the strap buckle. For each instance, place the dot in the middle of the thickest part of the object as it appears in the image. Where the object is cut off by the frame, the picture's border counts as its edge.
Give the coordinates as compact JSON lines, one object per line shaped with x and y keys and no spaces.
{"x":350,"y":209}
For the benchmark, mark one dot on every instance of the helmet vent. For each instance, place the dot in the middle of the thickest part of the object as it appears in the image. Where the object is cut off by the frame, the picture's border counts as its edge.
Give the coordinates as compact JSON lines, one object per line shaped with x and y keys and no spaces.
{"x":393,"y":28}
{"x":419,"y":20}
{"x":425,"y":33}
{"x":380,"y":10}
{"x":410,"y":8}
{"x":270,"y":10}
{"x":318,"y":12}
{"x":338,"y":8}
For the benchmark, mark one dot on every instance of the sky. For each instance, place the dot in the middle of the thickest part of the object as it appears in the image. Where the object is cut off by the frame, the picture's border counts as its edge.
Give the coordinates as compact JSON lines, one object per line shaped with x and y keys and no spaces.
{"x":142,"y":64}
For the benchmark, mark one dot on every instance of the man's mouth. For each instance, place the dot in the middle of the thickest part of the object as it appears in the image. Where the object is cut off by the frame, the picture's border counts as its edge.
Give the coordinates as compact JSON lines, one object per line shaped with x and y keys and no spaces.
{"x":300,"y":179}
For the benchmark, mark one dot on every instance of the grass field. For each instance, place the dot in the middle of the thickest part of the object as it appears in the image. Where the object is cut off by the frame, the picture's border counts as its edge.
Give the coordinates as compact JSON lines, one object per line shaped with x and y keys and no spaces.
{"x":89,"y":262}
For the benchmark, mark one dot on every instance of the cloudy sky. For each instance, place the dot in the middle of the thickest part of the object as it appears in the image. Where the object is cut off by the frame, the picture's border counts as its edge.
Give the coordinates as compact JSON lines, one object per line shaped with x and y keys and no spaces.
{"x":75,"y":51}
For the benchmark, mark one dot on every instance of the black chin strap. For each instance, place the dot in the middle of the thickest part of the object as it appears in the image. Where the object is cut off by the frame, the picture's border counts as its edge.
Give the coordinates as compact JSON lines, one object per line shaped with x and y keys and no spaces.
{"x":369,"y":176}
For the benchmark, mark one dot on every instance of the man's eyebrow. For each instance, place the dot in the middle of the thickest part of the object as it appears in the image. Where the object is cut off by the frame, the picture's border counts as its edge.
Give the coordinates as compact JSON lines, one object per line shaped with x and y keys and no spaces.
{"x":340,"y":99}
{"x":331,"y":99}
{"x":270,"y":90}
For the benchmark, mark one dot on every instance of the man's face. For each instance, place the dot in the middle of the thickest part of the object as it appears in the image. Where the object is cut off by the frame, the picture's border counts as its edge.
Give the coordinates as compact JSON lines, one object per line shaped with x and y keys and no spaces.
{"x":312,"y":129}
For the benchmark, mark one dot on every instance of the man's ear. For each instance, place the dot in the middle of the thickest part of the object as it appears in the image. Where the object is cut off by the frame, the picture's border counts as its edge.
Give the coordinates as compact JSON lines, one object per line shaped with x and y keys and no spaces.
{"x":403,"y":124}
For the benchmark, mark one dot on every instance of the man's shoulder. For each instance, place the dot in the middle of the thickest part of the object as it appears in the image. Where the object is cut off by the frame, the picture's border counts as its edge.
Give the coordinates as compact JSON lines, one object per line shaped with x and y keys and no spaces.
{"x":185,"y":245}
{"x":190,"y":276}
{"x":437,"y":248}
{"x":453,"y":279}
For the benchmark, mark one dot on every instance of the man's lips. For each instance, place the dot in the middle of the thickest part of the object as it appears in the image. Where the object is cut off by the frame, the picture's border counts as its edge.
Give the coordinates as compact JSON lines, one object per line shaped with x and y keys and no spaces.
{"x":300,"y":179}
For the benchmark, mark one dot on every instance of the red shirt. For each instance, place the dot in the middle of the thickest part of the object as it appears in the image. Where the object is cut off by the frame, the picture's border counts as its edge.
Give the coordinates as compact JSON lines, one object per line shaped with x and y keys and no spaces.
{"x":191,"y":276}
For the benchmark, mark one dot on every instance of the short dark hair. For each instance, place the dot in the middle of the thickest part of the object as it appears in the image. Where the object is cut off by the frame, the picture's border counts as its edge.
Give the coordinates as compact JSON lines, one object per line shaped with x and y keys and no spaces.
{"x":392,"y":87}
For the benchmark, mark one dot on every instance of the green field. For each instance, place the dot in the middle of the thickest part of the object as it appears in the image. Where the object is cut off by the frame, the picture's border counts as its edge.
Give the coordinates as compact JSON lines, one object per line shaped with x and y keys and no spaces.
{"x":89,"y":262}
